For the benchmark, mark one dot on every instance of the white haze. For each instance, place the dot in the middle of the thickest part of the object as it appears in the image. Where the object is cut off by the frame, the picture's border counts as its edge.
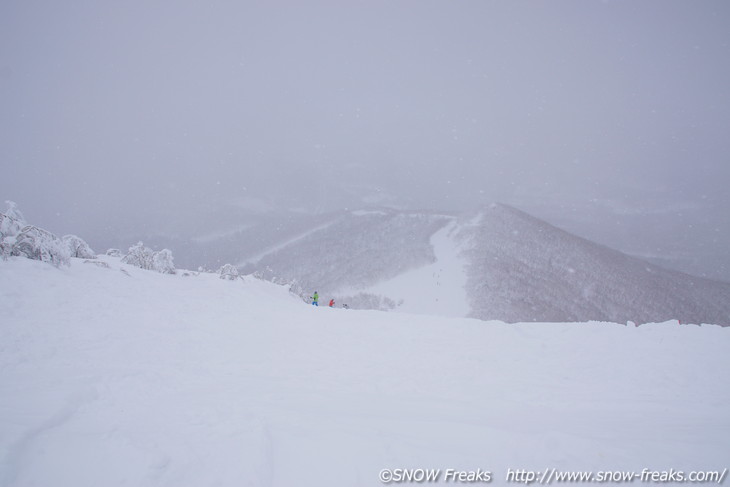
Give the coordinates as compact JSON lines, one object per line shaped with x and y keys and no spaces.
{"x":607,"y":118}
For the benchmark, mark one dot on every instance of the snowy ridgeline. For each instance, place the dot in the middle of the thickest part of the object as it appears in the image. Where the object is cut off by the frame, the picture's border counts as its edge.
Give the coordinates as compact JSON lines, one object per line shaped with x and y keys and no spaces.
{"x":112,"y":375}
{"x":523,"y":269}
{"x":498,"y":263}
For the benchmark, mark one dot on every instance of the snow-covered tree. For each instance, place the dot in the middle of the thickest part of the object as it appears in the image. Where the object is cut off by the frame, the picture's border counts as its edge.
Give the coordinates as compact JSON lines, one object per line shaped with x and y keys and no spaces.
{"x":14,"y":213}
{"x":369,"y":301}
{"x":11,"y":222}
{"x":139,"y":256}
{"x":114,"y":253}
{"x":145,"y":258}
{"x":5,"y":245}
{"x":9,"y":227}
{"x":38,"y":244}
{"x":8,"y":230}
{"x":77,"y":247}
{"x":162,"y":262}
{"x":19,"y":239}
{"x":229,"y":272}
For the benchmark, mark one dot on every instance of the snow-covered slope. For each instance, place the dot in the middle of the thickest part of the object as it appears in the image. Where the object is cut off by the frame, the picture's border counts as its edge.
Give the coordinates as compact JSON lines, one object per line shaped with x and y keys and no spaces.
{"x":436,"y":289}
{"x":355,"y":252}
{"x":118,"y":376}
{"x":523,"y":269}
{"x":499,"y":263}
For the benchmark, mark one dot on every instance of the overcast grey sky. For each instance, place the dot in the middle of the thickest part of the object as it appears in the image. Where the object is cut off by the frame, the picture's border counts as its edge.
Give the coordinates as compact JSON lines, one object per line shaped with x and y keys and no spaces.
{"x":587,"y":113}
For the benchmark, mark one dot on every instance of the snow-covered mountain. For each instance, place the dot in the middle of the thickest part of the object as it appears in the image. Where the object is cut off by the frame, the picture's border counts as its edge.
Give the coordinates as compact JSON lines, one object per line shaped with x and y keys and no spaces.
{"x":498,"y":263}
{"x":527,"y":270}
{"x":113,"y":375}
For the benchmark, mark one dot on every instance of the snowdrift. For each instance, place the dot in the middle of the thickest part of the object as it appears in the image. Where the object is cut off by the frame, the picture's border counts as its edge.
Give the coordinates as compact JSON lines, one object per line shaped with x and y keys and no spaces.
{"x":112,"y":375}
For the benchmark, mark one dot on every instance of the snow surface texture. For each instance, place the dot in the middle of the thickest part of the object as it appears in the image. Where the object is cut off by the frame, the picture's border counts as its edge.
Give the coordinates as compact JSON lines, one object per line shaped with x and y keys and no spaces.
{"x":518,"y":268}
{"x":120,"y":376}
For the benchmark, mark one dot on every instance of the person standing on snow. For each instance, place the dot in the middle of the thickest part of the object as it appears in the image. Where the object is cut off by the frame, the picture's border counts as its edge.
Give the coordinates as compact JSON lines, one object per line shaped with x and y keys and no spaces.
{"x":332,"y":303}
{"x":315,"y":298}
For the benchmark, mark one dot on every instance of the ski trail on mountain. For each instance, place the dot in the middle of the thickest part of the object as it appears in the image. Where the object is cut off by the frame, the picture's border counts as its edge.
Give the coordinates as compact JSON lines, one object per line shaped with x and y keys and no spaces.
{"x":256,"y":258}
{"x":436,"y":289}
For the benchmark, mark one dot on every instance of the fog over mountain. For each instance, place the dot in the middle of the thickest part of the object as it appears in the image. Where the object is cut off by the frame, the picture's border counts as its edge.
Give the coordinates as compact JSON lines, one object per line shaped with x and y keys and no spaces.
{"x":182,"y":121}
{"x":497,"y":263}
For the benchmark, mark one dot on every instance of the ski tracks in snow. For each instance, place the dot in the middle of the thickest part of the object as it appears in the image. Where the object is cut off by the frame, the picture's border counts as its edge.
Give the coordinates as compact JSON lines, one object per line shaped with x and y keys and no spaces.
{"x":436,"y":289}
{"x":23,"y":448}
{"x":263,"y":464}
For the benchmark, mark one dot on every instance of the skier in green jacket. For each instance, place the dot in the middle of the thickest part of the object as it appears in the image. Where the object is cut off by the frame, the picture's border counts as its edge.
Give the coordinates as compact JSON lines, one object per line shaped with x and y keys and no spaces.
{"x":315,"y":298}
